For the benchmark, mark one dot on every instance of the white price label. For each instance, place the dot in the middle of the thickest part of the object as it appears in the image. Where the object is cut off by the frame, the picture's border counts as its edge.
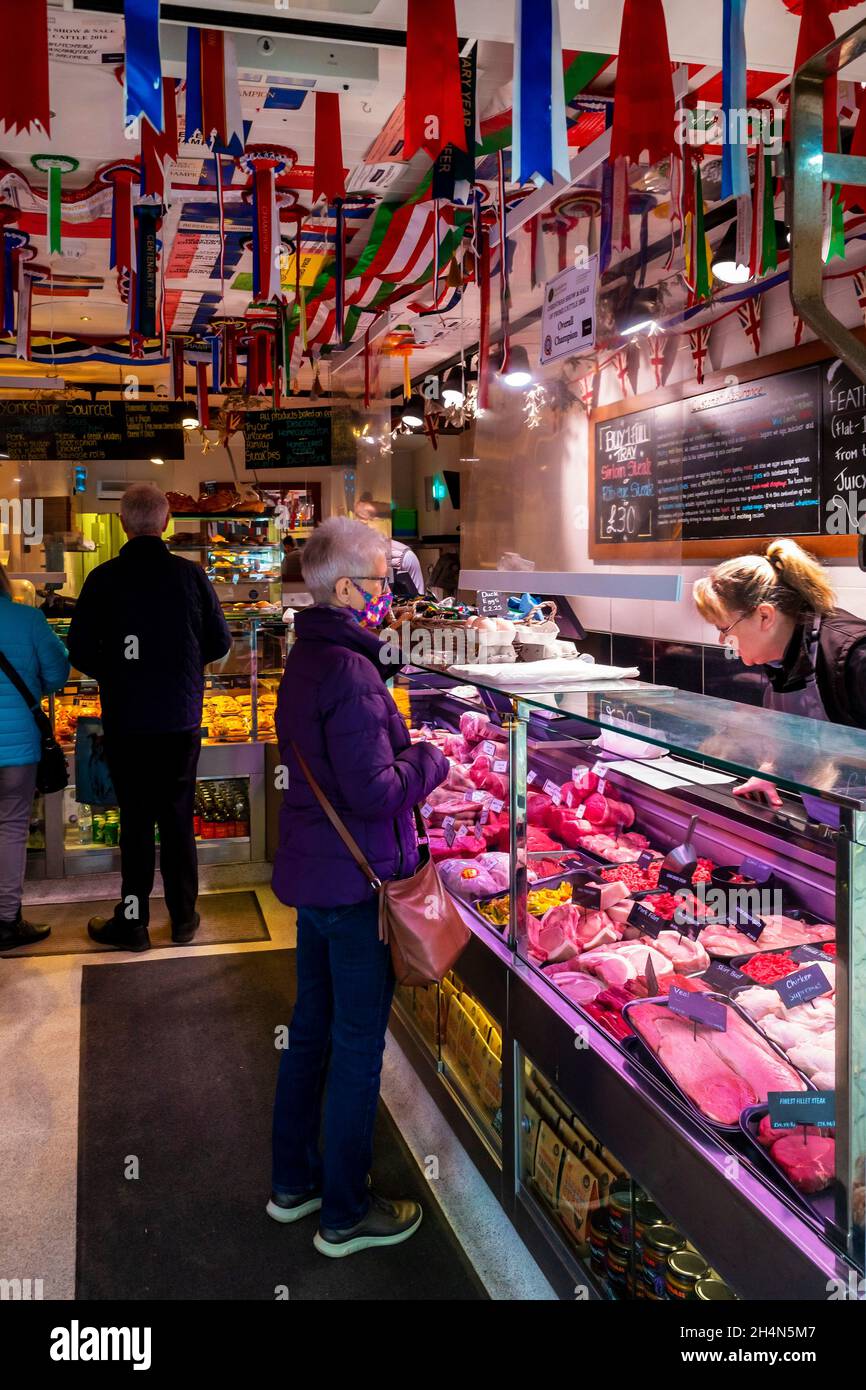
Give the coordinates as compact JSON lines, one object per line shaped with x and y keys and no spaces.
{"x":530,"y":777}
{"x":478,"y":796}
{"x":500,"y":765}
{"x":556,"y":798}
{"x":497,"y":805}
{"x":552,"y":788}
{"x":450,"y":835}
{"x":462,"y":829}
{"x":489,"y":747}
{"x":578,"y":774}
{"x":484,"y":817}
{"x":602,"y":783}
{"x":448,"y":823}
{"x":580,"y":810}
{"x":426,"y":810}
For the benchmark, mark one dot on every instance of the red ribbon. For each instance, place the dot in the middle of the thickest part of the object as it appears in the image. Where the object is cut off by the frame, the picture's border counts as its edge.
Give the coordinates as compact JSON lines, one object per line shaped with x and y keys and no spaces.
{"x":816,"y":31}
{"x":177,"y":385}
{"x":202,"y":395}
{"x":24,"y":66}
{"x":328,"y":160}
{"x":434,"y":99}
{"x":484,"y":331}
{"x":124,"y":232}
{"x":213,"y":84}
{"x":644,"y":108}
{"x":158,"y":146}
{"x":230,"y":356}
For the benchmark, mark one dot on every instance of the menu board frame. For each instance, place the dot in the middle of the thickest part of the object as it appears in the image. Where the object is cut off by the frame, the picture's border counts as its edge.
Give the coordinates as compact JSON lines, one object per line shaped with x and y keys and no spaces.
{"x":675,"y":548}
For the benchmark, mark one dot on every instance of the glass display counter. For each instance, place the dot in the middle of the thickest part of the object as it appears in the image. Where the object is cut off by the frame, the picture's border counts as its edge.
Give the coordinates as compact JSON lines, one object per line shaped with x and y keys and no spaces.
{"x":241,"y":556}
{"x":701,"y":1015}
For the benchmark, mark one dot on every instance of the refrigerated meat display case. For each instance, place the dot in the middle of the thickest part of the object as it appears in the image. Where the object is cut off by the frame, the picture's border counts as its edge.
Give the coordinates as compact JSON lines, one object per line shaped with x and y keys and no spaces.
{"x":552,"y":833}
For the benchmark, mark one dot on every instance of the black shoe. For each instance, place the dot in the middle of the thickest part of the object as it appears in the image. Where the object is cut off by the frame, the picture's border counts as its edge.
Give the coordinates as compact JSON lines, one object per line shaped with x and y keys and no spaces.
{"x":386,"y":1223}
{"x":21,"y":933}
{"x":124,"y":935}
{"x":287,"y":1209}
{"x":180,"y":935}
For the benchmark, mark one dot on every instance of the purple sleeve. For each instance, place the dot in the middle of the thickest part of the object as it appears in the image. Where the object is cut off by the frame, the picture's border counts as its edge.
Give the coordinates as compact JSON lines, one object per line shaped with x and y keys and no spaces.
{"x":374,"y":782}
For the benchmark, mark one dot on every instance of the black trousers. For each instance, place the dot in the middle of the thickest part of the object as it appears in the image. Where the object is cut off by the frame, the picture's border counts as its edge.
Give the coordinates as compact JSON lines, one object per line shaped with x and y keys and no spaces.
{"x":154,"y":778}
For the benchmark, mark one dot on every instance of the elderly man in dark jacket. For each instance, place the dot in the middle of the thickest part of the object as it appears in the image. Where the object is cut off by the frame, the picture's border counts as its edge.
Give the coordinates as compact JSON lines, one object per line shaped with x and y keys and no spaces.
{"x":146,"y":625}
{"x":335,"y":708}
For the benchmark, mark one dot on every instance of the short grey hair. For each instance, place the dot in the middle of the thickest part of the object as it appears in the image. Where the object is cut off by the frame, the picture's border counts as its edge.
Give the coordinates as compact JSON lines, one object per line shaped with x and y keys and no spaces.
{"x":144,"y":509}
{"x":339,"y":547}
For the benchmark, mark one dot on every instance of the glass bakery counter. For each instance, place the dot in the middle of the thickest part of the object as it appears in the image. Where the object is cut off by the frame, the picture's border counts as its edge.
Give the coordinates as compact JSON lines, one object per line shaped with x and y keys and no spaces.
{"x":702,"y":1013}
{"x":78,"y":830}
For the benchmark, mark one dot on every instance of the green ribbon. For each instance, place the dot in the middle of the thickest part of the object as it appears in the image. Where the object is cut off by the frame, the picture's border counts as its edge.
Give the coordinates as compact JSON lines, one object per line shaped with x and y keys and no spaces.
{"x":769,"y":245}
{"x":702,"y":267}
{"x":836,"y":247}
{"x":55,"y":165}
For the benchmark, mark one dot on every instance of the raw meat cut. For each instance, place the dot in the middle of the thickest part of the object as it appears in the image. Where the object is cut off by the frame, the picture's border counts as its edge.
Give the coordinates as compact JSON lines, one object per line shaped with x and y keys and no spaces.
{"x":716,"y":1090}
{"x":809,"y":1161}
{"x":721,"y":1073}
{"x":813,"y":1056}
{"x":686,"y":955}
{"x":759,"y":1003}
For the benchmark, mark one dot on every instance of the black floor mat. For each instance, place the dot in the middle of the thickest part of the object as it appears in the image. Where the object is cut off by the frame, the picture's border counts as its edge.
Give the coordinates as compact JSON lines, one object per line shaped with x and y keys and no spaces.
{"x":178,"y":1066}
{"x":226,"y":918}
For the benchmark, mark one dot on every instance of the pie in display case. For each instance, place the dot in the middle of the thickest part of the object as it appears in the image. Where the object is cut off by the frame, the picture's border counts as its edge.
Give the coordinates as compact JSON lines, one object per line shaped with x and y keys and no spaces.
{"x":687,"y":968}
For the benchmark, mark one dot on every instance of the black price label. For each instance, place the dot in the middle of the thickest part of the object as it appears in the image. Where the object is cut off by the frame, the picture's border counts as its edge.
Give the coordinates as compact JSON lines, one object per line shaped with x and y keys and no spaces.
{"x":725,"y":977}
{"x":752,"y":927}
{"x":645,"y":858}
{"x":647,"y":921}
{"x":789,"y":1109}
{"x":674,"y":882}
{"x":803,"y":985}
{"x":490,"y":603}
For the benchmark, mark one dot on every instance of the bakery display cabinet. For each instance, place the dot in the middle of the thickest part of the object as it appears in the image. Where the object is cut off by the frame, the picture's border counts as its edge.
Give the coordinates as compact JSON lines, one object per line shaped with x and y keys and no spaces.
{"x":685,"y":970}
{"x":241,"y":556}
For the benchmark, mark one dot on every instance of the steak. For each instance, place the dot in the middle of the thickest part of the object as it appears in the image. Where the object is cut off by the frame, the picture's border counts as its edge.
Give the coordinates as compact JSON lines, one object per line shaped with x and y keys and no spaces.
{"x":809,"y":1161}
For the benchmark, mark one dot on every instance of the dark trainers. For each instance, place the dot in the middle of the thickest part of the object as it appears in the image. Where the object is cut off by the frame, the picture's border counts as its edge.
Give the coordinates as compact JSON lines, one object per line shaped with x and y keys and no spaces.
{"x":21,"y":933}
{"x":286,"y":1209}
{"x":386,"y":1223}
{"x":126,"y":936}
{"x":180,"y":935}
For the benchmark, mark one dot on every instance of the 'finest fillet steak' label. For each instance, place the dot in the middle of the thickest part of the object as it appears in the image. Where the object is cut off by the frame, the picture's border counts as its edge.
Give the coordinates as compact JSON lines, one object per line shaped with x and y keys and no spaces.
{"x":789,"y":1109}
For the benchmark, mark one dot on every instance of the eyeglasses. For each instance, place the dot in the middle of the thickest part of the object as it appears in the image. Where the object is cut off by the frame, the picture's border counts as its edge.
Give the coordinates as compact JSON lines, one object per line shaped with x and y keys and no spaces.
{"x":724,"y":631}
{"x":373,"y":579}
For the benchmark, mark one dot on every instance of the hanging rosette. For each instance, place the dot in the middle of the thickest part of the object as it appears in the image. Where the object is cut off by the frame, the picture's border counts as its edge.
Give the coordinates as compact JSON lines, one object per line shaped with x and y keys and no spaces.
{"x":121,"y":178}
{"x":176,"y":347}
{"x":55,"y":165}
{"x":264,"y":167}
{"x":259,"y":342}
{"x":229,"y":330}
{"x":566,"y":215}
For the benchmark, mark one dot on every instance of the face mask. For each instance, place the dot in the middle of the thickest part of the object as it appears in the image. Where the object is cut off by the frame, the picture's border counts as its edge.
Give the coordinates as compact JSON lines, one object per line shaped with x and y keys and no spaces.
{"x":375,"y":610}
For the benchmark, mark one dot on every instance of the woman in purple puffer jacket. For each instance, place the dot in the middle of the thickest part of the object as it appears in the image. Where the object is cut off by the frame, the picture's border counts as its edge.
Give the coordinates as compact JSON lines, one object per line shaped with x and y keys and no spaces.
{"x":335,"y":707}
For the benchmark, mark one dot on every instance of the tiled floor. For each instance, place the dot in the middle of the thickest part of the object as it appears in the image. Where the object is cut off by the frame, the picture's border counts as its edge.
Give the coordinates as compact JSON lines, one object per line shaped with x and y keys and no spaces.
{"x":40,"y":1020}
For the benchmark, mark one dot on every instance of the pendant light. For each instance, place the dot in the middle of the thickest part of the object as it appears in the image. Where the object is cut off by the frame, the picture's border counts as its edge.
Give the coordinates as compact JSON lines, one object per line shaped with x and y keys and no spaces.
{"x":725,"y":265}
{"x":519,"y":372}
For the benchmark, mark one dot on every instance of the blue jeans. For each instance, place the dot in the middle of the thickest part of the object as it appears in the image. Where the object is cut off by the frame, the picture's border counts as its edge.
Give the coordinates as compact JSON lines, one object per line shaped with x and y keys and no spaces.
{"x":345,"y":986}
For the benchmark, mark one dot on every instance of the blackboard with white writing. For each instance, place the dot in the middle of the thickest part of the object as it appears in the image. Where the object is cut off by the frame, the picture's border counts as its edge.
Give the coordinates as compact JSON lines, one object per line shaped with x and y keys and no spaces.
{"x":87,"y":431}
{"x":748,"y":460}
{"x":288,"y":438}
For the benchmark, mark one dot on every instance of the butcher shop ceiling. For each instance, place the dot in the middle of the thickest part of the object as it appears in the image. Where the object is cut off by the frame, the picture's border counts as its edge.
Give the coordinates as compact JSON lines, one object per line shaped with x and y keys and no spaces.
{"x":159,"y":178}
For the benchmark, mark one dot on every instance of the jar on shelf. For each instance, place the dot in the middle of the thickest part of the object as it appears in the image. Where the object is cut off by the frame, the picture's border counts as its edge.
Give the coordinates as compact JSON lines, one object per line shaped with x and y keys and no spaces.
{"x":658,"y":1243}
{"x":685,"y":1268}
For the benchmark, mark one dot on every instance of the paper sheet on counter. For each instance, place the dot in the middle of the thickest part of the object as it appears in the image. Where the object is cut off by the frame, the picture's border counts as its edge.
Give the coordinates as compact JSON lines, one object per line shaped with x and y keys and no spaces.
{"x":666,"y":773}
{"x":545,"y":675}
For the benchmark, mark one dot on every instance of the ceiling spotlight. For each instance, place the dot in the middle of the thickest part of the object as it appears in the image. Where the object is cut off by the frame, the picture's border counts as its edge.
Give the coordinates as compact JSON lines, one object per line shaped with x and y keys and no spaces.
{"x":189,"y":422}
{"x":518,"y":373}
{"x":453,"y":394}
{"x":725,"y":266}
{"x":85,"y":318}
{"x":641,"y":312}
{"x":159,"y":462}
{"x":413,"y":413}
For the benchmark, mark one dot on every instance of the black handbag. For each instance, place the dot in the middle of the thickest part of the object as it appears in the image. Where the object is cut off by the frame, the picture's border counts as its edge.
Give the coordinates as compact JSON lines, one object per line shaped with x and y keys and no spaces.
{"x":52,"y":774}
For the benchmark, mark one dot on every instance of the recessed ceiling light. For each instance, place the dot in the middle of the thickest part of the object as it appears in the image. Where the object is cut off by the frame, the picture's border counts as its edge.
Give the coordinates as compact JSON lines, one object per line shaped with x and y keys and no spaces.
{"x":85,"y":318}
{"x":159,"y":462}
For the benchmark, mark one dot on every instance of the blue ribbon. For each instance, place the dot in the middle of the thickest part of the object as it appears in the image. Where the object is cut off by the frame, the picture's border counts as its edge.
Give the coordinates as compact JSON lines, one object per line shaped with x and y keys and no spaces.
{"x":735,"y":154}
{"x":194,"y":119}
{"x":532,"y":114}
{"x":143,"y":71}
{"x":216,"y":368}
{"x":606,"y":239}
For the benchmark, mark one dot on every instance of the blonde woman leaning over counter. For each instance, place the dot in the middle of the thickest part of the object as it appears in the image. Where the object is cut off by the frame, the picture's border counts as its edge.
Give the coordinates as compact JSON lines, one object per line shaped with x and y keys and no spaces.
{"x":778,"y":610}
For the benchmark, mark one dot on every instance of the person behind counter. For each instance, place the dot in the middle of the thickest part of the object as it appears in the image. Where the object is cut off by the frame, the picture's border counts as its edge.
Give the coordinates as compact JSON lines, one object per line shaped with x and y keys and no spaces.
{"x":406,"y":575}
{"x":145,"y":626}
{"x":30,"y":647}
{"x":335,"y":710}
{"x":778,"y":610}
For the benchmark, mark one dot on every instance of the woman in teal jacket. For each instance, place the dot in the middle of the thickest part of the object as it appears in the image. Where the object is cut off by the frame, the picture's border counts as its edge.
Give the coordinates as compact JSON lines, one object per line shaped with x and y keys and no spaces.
{"x":40,"y":659}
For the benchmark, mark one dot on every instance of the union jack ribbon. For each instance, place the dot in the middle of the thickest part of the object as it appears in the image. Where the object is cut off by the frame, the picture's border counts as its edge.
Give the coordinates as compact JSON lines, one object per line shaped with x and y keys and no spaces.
{"x":859,"y":279}
{"x":749,"y":314}
{"x":620,"y":363}
{"x":699,"y":342}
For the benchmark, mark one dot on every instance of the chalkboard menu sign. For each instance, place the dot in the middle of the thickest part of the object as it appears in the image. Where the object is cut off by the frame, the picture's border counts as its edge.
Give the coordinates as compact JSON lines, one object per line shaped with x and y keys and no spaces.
{"x":843,"y":447}
{"x":88,"y":431}
{"x":744,"y":461}
{"x":288,"y":438}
